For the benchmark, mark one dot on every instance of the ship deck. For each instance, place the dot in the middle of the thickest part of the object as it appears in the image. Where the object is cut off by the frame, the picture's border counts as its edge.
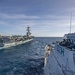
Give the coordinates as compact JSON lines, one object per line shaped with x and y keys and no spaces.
{"x":53,"y":66}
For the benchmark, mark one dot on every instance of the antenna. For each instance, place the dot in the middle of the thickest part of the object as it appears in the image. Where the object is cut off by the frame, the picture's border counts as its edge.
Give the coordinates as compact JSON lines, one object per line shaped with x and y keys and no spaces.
{"x":70,"y":22}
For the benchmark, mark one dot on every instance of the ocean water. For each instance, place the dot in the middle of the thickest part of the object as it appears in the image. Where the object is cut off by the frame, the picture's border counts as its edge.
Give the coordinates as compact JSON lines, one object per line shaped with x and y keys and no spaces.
{"x":26,"y":59}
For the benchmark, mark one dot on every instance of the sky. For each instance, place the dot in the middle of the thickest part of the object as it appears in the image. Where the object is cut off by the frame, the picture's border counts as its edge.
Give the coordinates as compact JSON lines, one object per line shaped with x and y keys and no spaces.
{"x":47,"y":18}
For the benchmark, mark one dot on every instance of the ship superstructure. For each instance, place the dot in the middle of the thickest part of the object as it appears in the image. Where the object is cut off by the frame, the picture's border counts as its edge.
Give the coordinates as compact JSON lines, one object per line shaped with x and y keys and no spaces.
{"x":61,"y":60}
{"x":28,"y":34}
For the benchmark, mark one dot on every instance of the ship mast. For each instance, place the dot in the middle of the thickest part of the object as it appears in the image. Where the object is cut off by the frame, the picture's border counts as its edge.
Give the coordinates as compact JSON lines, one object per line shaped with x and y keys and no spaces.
{"x":70,"y":22}
{"x":28,"y":32}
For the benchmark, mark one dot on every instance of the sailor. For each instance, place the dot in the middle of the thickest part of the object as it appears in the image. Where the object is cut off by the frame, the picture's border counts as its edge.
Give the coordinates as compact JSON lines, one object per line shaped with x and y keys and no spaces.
{"x":47,"y":48}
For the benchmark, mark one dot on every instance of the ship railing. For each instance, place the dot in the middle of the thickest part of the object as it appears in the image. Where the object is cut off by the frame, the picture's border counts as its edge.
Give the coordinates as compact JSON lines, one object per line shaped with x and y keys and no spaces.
{"x":67,"y":47}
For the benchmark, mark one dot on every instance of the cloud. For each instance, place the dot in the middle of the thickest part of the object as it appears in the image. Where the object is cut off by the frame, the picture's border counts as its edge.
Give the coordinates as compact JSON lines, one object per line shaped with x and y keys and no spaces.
{"x":45,"y":25}
{"x":2,"y":23}
{"x":17,"y":16}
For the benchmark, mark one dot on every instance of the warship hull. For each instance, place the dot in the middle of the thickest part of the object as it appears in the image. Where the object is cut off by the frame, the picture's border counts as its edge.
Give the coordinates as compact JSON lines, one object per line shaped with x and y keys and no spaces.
{"x":7,"y":45}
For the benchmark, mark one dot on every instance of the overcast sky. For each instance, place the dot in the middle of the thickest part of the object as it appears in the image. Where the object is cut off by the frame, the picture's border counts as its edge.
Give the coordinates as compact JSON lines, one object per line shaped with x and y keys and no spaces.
{"x":45,"y":17}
